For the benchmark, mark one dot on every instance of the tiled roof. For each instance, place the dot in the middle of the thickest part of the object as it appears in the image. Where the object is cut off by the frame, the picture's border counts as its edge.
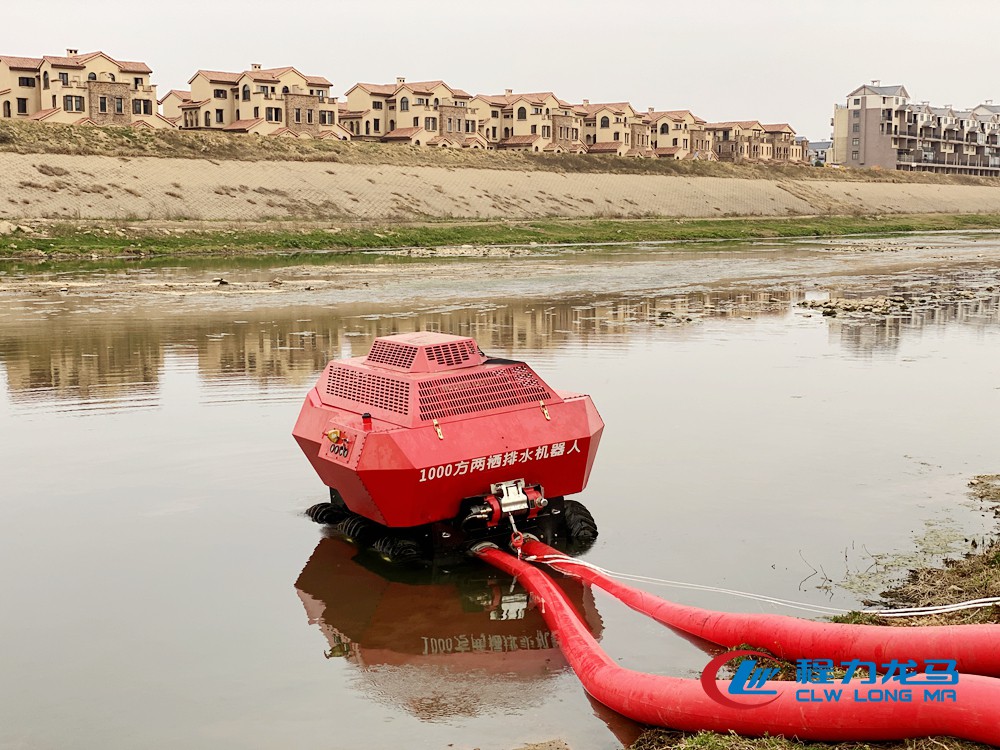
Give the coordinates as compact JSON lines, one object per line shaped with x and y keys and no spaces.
{"x":218,"y":76}
{"x":179,"y":93}
{"x":502,"y":100}
{"x":189,"y":104}
{"x":21,"y":63}
{"x":382,"y":89}
{"x":243,"y":124}
{"x":616,"y":107}
{"x":63,"y":62}
{"x":779,"y":127}
{"x":519,"y":140}
{"x":401,"y":133}
{"x":606,"y":147}
{"x":129,"y":66}
{"x":85,"y":121}
{"x":745,"y":124}
{"x":44,"y":113}
{"x":317,"y":81}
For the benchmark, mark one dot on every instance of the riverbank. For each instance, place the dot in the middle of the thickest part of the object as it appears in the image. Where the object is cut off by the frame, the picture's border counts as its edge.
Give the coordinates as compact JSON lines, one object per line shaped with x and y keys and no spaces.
{"x":94,"y":240}
{"x":974,"y":576}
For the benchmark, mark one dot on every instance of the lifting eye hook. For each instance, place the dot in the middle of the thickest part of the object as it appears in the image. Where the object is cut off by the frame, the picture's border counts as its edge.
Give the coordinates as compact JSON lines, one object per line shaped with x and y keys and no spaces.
{"x":545,"y":411}
{"x":437,"y":429}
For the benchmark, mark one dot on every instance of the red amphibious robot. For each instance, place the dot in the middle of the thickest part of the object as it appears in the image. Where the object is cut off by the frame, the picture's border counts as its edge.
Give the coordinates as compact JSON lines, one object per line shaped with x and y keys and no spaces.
{"x":427,"y":445}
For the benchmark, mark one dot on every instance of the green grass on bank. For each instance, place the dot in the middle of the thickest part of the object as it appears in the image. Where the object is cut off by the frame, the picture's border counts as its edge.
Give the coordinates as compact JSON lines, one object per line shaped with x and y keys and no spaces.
{"x":116,"y":239}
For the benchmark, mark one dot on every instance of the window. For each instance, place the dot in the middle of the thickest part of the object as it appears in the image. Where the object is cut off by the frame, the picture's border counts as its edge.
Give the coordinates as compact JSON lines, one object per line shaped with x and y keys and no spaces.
{"x":102,"y":104}
{"x":536,"y":110}
{"x":664,"y":129}
{"x":495,"y":114}
{"x":854,"y":155}
{"x":605,"y":122}
{"x":22,"y":106}
{"x":325,"y":117}
{"x":857,"y":101}
{"x":404,"y":105}
{"x":298,"y":115}
{"x":119,"y":105}
{"x":309,"y":117}
{"x":137,"y":83}
{"x":73,"y":103}
{"x":26,"y":82}
{"x":534,"y":130}
{"x":368,"y":128}
{"x":111,"y":76}
{"x":91,"y":76}
{"x":284,"y":90}
{"x":246,"y":92}
{"x":522,"y":113}
{"x":272,"y":114}
{"x":6,"y":109}
{"x":430,"y":123}
{"x":45,"y":79}
{"x":256,"y":113}
{"x":376,"y":105}
{"x":685,"y":143}
{"x":219,"y":117}
{"x":416,"y":122}
{"x":855,"y":141}
{"x":219,"y":94}
{"x":450,"y":124}
{"x":145,"y":107}
{"x":856,"y":128}
{"x":615,"y":138}
{"x":377,"y":125}
{"x":64,"y":79}
{"x":208,"y":119}
{"x":856,"y":114}
{"x":675,"y":142}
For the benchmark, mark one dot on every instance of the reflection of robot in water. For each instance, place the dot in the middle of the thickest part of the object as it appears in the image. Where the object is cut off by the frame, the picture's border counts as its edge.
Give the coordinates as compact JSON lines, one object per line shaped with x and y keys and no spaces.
{"x":437,"y":644}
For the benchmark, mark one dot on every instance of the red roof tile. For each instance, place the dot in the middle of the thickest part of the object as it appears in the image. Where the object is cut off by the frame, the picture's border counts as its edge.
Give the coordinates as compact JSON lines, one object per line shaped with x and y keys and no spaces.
{"x":779,"y":127}
{"x":218,"y":76}
{"x":401,"y":134}
{"x":179,"y":93}
{"x":44,"y":113}
{"x":603,"y":148}
{"x":243,"y":125}
{"x":21,"y":63}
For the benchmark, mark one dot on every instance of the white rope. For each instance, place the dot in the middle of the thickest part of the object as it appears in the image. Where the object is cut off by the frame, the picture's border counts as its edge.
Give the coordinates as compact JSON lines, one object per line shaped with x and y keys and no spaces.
{"x":552,"y":560}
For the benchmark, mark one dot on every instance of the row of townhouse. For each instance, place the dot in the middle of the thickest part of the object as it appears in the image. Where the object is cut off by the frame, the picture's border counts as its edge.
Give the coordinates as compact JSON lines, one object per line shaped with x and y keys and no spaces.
{"x":879,"y":126}
{"x":96,"y":89}
{"x":92,"y":89}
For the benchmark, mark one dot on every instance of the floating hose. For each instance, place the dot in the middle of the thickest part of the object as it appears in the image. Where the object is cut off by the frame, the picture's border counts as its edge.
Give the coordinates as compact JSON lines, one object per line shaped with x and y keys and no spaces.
{"x":685,"y":705}
{"x":974,"y":648}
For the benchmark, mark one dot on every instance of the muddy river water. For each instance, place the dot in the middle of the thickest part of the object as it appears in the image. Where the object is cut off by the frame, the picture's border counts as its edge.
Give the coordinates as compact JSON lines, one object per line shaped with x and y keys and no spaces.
{"x":160,"y":587}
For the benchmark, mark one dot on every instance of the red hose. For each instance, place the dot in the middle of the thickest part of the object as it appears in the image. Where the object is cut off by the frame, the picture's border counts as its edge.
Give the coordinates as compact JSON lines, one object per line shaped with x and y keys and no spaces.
{"x":974,"y":648}
{"x":684,"y":704}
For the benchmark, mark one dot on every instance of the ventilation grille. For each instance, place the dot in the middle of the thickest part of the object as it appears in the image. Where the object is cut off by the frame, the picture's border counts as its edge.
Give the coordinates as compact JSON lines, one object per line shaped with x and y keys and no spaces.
{"x":370,"y":390}
{"x":479,"y":391}
{"x":392,"y":354}
{"x":456,"y":353}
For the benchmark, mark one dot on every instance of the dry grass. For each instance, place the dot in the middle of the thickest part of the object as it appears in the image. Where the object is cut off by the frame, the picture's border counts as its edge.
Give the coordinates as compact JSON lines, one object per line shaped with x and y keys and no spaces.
{"x":32,"y":138}
{"x":662,"y":739}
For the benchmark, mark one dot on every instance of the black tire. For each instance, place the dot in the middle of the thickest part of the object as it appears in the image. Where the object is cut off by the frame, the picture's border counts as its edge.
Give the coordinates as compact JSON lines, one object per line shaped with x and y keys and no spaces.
{"x":357,"y":529}
{"x":581,"y":529}
{"x":397,"y":550}
{"x":325,"y":513}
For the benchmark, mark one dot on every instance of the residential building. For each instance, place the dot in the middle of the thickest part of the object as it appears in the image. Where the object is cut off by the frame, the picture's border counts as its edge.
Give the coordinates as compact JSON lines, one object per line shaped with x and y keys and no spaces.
{"x":264,"y":101}
{"x":818,"y":152}
{"x":421,"y":113}
{"x":742,"y":140}
{"x":616,"y":128}
{"x":785,"y":146}
{"x":879,"y":127}
{"x":536,"y":122}
{"x":170,"y":104}
{"x":679,"y":134}
{"x":91,"y":89}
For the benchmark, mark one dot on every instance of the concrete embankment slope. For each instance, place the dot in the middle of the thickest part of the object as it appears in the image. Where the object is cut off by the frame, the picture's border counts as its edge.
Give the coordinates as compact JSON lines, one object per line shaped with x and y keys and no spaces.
{"x":36,"y":186}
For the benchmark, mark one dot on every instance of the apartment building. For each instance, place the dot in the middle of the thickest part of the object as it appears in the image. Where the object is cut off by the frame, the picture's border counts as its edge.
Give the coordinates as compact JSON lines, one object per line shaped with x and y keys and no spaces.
{"x":880,"y":127}
{"x":82,"y":89}
{"x":679,"y":134}
{"x":741,"y":140}
{"x":539,"y":122}
{"x":263,"y":101}
{"x":420,"y":113}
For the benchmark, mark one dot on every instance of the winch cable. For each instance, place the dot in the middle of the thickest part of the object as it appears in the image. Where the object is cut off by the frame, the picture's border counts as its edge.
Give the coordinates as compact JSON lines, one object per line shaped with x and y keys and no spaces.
{"x":974,"y":648}
{"x":786,"y":603}
{"x":686,"y":705}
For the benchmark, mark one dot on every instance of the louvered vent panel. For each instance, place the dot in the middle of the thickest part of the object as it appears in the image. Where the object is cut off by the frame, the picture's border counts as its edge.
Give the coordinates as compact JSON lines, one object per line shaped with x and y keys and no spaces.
{"x":456,"y":353}
{"x":370,"y":390}
{"x":479,"y":391}
{"x":392,"y":353}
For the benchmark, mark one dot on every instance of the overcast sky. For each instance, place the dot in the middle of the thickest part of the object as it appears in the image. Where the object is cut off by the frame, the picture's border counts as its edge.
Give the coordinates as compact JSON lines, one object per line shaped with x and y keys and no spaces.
{"x":771,"y":60}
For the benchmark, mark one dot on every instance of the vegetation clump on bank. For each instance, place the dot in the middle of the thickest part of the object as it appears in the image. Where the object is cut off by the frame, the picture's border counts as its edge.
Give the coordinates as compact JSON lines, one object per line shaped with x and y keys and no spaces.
{"x":68,"y":240}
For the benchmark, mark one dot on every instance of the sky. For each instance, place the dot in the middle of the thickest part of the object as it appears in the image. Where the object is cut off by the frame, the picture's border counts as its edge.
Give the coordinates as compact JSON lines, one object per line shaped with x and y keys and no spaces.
{"x":768,"y":60}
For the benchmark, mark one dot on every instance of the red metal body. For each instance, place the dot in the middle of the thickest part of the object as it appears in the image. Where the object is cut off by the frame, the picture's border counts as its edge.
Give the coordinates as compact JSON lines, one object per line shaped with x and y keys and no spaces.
{"x":444,"y":423}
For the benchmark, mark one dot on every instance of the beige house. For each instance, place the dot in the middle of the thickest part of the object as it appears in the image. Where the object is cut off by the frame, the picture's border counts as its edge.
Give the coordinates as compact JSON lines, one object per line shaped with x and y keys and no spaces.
{"x":420,"y":113}
{"x":87,"y":89}
{"x":538,"y":122}
{"x":679,"y":134}
{"x":616,"y":128}
{"x":170,"y":105}
{"x":743,"y":140}
{"x":785,"y":146}
{"x":263,"y":101}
